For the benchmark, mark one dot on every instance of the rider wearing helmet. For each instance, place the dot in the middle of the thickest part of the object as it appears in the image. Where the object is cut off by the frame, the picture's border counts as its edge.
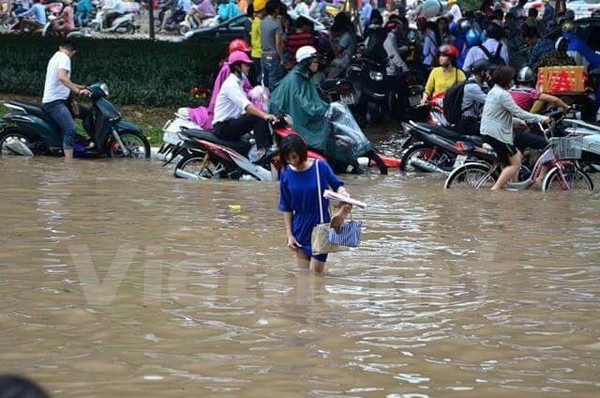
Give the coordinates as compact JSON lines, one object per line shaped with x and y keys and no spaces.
{"x":492,"y":45}
{"x":202,"y":115}
{"x":297,"y":96}
{"x":444,"y":76}
{"x":234,"y":113}
{"x":395,"y":63}
{"x":530,"y":99}
{"x":558,"y":56}
{"x":474,"y":96}
{"x":255,"y":39}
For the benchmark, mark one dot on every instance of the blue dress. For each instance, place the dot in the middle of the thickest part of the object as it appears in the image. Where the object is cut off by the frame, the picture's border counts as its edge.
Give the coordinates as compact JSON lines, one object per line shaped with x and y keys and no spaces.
{"x":299,"y":196}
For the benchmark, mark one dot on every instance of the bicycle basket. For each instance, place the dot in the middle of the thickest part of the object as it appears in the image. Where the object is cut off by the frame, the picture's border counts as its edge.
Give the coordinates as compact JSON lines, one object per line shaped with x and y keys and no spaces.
{"x":567,"y":147}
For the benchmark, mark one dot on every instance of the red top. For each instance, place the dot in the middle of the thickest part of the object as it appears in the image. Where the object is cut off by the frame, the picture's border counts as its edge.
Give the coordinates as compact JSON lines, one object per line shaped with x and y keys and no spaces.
{"x":297,"y":40}
{"x":525,"y":97}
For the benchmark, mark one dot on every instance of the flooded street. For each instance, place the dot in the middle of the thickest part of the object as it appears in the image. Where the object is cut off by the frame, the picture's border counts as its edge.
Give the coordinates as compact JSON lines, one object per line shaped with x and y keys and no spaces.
{"x":120,"y":280}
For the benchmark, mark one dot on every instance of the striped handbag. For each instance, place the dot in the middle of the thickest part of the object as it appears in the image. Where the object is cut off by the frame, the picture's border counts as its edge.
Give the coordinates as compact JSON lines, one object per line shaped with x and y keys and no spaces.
{"x":349,"y":234}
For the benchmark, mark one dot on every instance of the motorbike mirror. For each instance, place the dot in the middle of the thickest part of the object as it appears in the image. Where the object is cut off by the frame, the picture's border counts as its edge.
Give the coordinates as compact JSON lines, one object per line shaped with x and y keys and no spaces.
{"x":104,"y":88}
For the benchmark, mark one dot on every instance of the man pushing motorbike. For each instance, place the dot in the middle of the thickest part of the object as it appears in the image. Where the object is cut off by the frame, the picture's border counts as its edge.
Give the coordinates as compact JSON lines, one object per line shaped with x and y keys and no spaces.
{"x":57,"y":87}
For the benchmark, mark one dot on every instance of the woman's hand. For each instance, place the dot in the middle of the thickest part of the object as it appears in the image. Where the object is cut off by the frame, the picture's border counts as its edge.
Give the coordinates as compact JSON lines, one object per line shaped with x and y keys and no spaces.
{"x":292,"y":243}
{"x":342,"y":191}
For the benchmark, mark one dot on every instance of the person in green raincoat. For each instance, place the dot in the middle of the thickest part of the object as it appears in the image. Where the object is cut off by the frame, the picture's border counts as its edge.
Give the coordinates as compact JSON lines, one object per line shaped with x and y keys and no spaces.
{"x":297,"y":96}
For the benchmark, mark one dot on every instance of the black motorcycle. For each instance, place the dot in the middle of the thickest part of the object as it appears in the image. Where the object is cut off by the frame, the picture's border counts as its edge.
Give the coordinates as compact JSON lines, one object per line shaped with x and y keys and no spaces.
{"x":108,"y":134}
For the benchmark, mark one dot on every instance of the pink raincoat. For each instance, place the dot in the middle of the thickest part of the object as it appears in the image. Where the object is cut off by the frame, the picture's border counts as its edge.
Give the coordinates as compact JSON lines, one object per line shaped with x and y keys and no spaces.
{"x":202,"y":115}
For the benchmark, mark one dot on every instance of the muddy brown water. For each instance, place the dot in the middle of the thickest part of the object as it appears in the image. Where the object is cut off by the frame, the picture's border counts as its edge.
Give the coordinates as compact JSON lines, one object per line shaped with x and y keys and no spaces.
{"x":120,"y":280}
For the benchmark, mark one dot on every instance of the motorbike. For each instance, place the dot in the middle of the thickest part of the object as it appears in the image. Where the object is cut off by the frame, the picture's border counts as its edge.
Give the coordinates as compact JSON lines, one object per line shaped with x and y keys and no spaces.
{"x":125,"y":24}
{"x":590,"y":142}
{"x":189,"y":23}
{"x":203,"y":156}
{"x":349,"y":150}
{"x":109,"y":134}
{"x":435,"y":148}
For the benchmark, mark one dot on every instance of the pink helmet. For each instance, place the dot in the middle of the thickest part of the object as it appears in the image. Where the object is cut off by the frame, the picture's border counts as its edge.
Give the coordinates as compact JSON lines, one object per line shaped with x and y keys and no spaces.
{"x":239,"y":45}
{"x":238,"y":56}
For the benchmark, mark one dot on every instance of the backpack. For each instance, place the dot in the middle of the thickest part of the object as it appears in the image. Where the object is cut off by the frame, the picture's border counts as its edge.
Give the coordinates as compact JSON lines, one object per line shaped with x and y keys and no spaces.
{"x":453,"y":99}
{"x":495,"y":58}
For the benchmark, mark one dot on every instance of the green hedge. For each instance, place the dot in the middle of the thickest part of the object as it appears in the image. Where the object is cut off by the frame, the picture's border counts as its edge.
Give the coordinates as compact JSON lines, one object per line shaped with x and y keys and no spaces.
{"x":142,"y":72}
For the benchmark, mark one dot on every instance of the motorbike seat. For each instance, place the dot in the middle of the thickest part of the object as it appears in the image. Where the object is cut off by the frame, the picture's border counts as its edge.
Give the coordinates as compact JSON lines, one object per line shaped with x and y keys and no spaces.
{"x":440,"y":131}
{"x":34,"y":110}
{"x":240,"y":146}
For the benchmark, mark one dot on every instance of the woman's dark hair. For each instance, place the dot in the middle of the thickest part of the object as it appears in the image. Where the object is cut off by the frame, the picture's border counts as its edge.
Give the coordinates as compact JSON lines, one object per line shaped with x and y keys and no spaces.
{"x":503,"y":76}
{"x":341,"y":23}
{"x":293,"y":144}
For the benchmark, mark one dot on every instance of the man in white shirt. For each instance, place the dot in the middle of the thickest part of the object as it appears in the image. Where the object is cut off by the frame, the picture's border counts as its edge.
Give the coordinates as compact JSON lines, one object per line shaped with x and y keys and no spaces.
{"x":57,"y":88}
{"x":234,"y":113}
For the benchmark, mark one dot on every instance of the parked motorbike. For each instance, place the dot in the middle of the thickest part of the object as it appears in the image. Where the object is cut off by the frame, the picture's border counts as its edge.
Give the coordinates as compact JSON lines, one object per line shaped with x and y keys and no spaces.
{"x":435,"y":148}
{"x":125,"y":24}
{"x":203,"y":156}
{"x":189,"y":23}
{"x":111,"y":135}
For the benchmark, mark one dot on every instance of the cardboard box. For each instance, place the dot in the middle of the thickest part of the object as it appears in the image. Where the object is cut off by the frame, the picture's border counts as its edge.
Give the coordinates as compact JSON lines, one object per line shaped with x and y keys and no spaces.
{"x":561,"y":79}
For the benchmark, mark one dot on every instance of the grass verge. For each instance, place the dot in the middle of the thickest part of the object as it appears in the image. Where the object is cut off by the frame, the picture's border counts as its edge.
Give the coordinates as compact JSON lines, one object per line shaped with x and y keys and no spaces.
{"x":150,"y":120}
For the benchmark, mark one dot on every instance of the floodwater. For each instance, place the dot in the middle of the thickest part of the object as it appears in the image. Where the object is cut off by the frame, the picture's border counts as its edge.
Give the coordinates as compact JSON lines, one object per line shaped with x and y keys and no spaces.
{"x":120,"y":280}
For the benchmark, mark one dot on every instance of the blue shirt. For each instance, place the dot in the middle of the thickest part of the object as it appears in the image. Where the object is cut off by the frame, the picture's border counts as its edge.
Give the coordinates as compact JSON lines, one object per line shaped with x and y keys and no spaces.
{"x":299,"y":196}
{"x":39,"y":13}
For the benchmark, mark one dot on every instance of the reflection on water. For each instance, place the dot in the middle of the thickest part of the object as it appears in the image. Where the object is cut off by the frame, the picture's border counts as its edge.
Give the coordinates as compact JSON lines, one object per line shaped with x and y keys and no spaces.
{"x":119,"y":280}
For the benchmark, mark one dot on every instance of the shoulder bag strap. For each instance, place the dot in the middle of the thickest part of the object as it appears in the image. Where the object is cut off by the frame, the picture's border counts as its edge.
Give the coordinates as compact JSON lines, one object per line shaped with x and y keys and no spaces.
{"x":319,"y":191}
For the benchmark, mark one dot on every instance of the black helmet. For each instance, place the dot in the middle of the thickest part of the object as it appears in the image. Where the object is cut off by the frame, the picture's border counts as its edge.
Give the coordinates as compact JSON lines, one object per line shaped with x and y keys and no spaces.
{"x":494,"y":31}
{"x":482,"y":65}
{"x":562,"y":44}
{"x":525,"y":75}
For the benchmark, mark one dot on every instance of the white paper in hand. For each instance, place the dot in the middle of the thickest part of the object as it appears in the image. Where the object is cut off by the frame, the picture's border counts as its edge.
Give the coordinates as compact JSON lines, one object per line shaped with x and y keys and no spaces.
{"x":329,"y":194}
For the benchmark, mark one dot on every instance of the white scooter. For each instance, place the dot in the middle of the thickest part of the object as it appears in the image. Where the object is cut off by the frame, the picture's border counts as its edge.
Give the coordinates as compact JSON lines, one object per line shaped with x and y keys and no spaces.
{"x":590,"y":141}
{"x":189,"y":23}
{"x":123,"y":24}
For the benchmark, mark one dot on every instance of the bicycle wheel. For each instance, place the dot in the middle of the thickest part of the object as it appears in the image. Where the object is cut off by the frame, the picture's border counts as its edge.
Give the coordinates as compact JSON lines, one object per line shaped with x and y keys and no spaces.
{"x":575,"y":178}
{"x":471,"y":176}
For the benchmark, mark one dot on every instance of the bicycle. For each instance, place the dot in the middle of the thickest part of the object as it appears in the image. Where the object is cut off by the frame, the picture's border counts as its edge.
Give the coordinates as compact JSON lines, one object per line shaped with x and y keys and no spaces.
{"x":560,"y":157}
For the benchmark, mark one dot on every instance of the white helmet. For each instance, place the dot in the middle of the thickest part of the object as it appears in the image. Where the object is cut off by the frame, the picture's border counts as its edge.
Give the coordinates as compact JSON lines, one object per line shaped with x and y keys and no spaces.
{"x":305,"y":52}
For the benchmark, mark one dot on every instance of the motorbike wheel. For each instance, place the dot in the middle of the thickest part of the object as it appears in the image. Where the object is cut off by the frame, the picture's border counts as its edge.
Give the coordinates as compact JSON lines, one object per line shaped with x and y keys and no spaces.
{"x":26,"y":139}
{"x":130,"y":29}
{"x":198,"y":166}
{"x":374,"y":156}
{"x":137,"y":145}
{"x":435,"y":157}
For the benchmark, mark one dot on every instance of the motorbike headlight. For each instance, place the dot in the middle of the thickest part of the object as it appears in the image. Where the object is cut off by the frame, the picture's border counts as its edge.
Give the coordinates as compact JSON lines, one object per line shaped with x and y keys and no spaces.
{"x":377,"y":76}
{"x":104,"y":89}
